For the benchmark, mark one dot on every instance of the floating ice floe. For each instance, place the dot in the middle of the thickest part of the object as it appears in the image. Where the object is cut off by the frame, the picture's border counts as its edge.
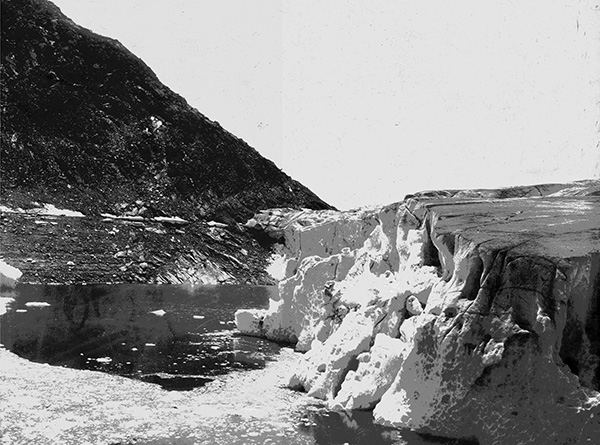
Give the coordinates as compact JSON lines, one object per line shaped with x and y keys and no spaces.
{"x":37,"y":304}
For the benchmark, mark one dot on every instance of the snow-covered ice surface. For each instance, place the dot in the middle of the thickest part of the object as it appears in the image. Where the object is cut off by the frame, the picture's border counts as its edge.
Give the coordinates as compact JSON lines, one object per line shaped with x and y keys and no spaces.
{"x":45,"y":404}
{"x":427,"y":311}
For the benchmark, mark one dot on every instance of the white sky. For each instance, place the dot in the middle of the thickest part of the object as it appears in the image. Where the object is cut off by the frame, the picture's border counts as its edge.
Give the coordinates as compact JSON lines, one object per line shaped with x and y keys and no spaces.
{"x":366,"y":101}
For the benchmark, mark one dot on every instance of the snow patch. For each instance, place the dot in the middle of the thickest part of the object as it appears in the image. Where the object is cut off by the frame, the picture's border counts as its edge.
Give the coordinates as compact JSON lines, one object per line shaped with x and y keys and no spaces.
{"x":52,"y":210}
{"x":44,"y":210}
{"x":216,"y":224}
{"x":170,"y":219}
{"x":9,"y":274}
{"x":277,"y":266}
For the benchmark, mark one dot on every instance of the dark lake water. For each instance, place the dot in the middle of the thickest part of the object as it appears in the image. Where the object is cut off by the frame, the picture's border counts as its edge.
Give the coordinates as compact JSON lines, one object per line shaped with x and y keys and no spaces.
{"x":179,"y":337}
{"x":176,"y":336}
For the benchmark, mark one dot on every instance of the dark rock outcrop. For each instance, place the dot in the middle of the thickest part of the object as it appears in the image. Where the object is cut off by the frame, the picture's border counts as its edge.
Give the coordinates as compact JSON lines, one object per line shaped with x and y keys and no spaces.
{"x":87,"y":125}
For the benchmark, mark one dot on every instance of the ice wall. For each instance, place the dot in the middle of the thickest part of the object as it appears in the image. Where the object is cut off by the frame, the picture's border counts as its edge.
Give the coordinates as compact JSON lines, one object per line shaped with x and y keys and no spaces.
{"x":456,"y":313}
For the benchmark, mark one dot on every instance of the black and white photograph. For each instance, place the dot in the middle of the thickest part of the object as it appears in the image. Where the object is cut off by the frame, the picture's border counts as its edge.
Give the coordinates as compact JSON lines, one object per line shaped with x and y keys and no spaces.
{"x":299,"y":222}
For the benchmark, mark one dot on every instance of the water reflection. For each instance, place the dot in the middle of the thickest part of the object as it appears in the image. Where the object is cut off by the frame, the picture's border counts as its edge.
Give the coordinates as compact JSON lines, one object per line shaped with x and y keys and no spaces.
{"x":357,"y":428}
{"x":175,"y":336}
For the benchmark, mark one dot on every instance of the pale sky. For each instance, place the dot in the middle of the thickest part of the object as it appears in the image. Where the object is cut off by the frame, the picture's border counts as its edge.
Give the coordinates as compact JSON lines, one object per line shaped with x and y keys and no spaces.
{"x":366,"y":101}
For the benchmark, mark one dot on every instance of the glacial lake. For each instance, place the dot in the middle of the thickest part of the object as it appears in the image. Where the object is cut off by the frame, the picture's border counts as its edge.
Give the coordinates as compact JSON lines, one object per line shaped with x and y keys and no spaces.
{"x":177,"y":337}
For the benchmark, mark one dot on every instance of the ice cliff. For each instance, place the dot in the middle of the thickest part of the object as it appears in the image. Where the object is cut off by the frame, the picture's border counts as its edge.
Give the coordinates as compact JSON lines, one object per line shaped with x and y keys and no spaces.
{"x":456,"y":313}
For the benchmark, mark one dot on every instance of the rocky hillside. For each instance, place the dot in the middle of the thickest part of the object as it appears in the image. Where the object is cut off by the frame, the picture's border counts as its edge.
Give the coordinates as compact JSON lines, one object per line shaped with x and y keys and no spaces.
{"x":88,"y":126}
{"x":466,"y":314}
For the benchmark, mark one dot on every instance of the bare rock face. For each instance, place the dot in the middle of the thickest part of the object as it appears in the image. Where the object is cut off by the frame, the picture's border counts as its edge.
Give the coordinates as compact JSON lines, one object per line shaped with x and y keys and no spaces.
{"x":156,"y":190}
{"x":456,"y":313}
{"x":87,"y":125}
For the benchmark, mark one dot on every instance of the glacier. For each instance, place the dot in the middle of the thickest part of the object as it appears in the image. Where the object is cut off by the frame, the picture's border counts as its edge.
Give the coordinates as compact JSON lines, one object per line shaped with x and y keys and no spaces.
{"x":463,"y":313}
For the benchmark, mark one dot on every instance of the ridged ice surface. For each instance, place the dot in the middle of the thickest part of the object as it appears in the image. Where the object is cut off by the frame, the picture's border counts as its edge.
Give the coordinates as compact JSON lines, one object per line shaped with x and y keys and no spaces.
{"x":457,"y":313}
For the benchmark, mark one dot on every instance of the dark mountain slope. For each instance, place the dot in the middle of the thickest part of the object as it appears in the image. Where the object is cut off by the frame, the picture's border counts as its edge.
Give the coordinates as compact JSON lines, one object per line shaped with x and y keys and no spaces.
{"x":88,"y":125}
